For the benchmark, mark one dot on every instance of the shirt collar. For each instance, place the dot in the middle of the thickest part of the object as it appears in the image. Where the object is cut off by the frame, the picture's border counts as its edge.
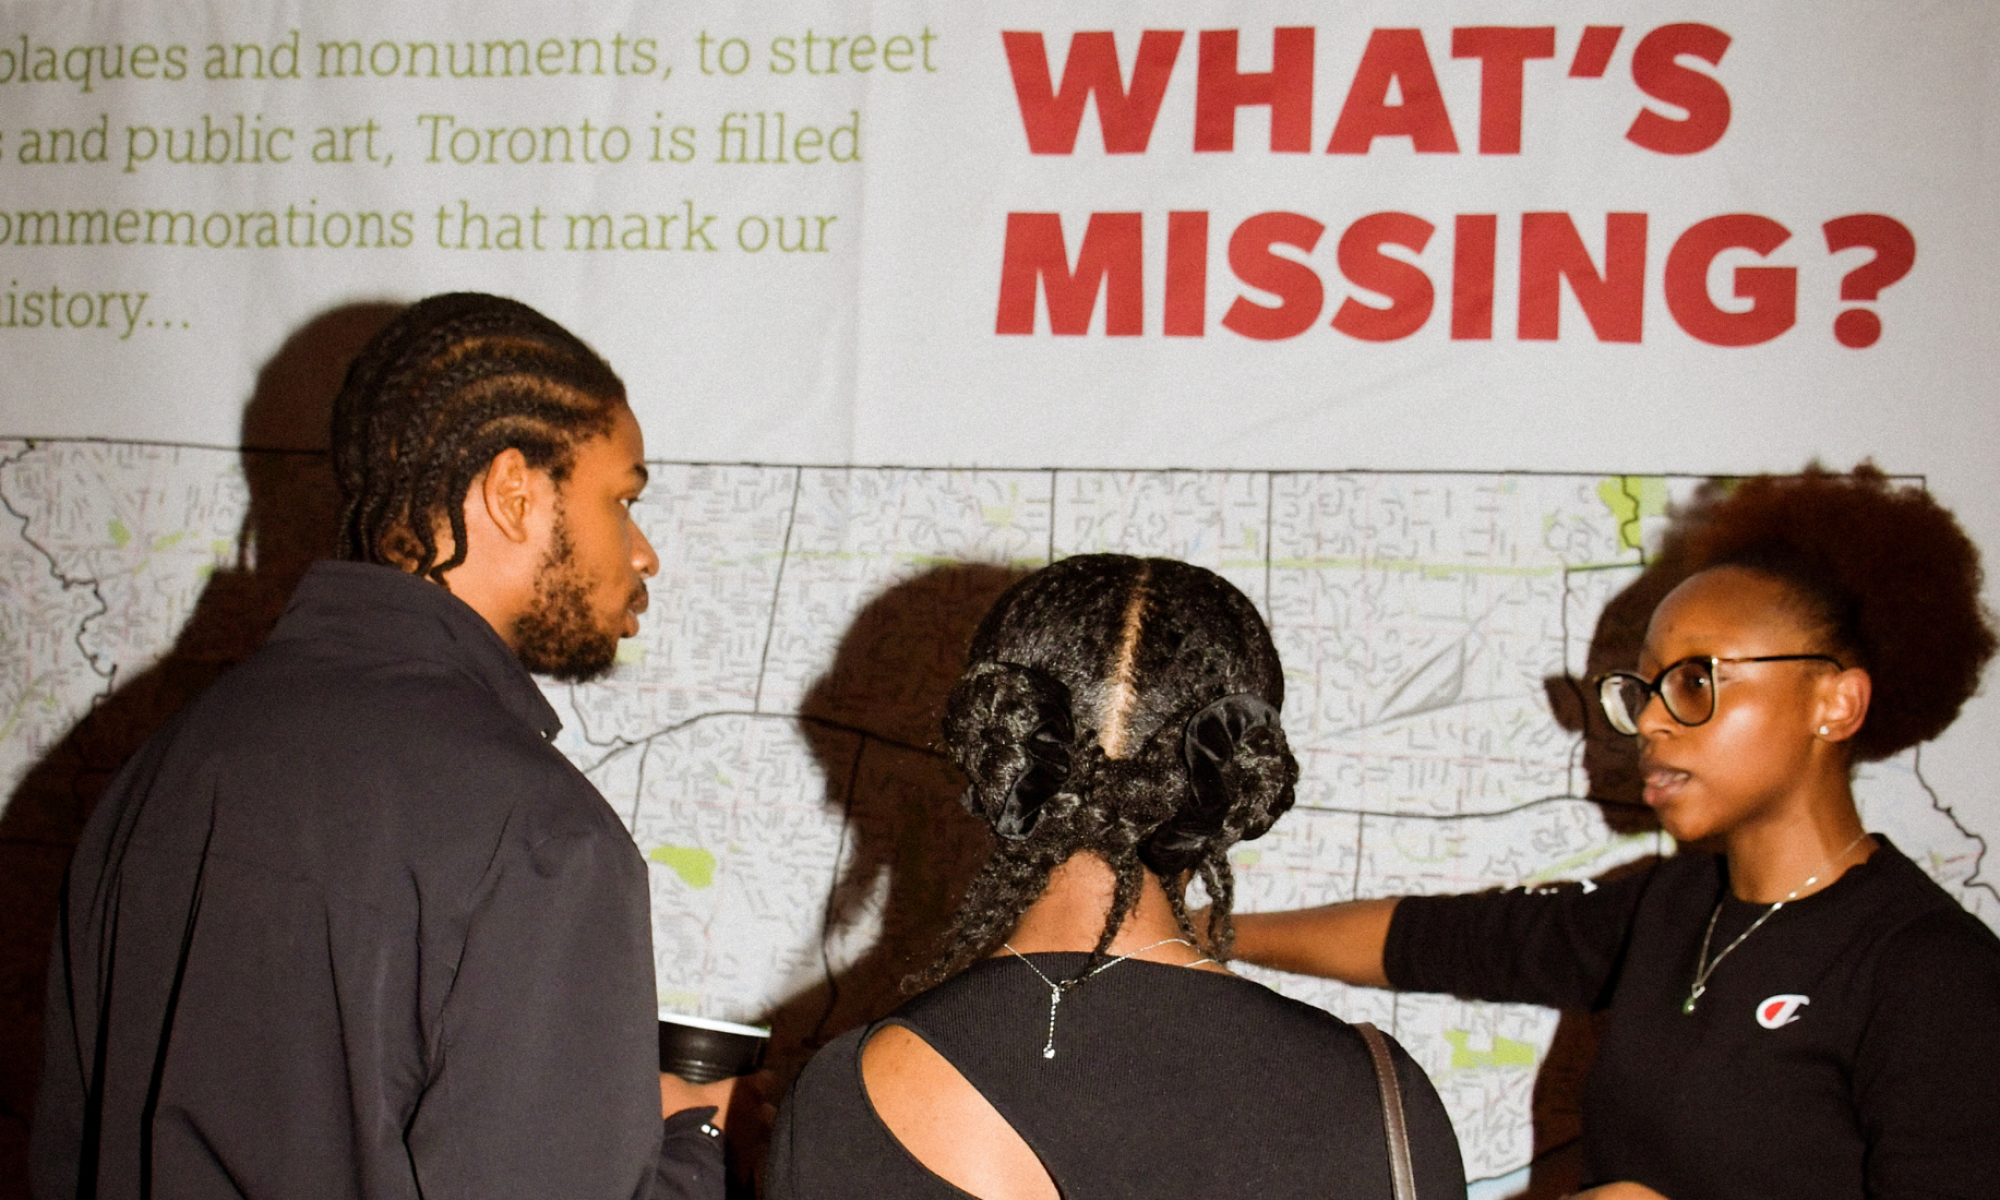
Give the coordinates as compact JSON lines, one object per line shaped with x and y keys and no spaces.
{"x":397,"y":615}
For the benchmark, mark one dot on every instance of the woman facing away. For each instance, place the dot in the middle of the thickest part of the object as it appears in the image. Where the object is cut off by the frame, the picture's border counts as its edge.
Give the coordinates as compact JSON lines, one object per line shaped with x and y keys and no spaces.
{"x":1795,"y":1008}
{"x":1118,"y":720}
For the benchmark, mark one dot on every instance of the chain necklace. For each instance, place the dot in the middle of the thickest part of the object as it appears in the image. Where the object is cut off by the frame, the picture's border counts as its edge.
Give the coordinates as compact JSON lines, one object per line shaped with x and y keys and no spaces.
{"x":1057,"y":988}
{"x":1704,"y":968}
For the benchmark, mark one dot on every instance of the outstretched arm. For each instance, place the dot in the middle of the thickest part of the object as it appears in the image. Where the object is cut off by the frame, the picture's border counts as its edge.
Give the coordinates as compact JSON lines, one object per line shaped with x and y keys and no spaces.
{"x":1338,"y":941}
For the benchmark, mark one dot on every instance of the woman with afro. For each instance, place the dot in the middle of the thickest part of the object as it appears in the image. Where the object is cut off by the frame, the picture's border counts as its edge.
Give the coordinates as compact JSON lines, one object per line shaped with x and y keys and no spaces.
{"x":1794,"y":1008}
{"x":1118,"y":723}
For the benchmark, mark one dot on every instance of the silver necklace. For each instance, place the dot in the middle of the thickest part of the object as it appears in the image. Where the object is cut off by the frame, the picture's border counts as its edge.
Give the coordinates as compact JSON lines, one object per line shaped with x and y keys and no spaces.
{"x":1057,"y":988}
{"x":1704,"y":968}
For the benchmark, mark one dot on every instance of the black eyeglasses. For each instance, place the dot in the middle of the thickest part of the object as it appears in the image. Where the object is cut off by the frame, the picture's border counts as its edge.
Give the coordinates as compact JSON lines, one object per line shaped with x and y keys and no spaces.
{"x":1686,"y":688}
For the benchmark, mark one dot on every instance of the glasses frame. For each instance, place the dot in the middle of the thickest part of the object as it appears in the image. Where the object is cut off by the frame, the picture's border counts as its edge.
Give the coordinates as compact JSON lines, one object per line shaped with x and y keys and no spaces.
{"x":1652,"y":686}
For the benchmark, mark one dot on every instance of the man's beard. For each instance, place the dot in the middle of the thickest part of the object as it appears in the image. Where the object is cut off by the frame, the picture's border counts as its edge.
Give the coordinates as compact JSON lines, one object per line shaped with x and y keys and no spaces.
{"x":558,"y":636}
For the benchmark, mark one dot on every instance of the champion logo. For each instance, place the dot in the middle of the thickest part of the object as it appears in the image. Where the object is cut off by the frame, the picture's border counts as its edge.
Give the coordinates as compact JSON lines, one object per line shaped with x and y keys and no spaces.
{"x":1779,"y":1011}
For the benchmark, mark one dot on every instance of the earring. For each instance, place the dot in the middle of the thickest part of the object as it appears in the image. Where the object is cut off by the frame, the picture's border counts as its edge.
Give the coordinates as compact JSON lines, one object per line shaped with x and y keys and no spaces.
{"x":1823,"y":731}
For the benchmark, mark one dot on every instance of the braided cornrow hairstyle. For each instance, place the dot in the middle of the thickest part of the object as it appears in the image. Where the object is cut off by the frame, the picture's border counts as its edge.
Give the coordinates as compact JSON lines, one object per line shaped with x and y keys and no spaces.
{"x":453,"y":381}
{"x":1087,"y":688}
{"x":1882,"y":575}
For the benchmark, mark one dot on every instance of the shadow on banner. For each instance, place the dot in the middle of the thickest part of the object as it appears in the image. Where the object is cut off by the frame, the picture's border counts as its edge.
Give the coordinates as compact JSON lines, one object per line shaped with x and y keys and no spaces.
{"x":909,"y":848}
{"x":1611,"y":768}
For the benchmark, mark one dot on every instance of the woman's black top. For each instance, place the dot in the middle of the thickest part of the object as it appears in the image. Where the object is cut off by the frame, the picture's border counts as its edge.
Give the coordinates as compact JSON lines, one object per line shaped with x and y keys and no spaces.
{"x":1848,"y":1048}
{"x":1167,"y":1082}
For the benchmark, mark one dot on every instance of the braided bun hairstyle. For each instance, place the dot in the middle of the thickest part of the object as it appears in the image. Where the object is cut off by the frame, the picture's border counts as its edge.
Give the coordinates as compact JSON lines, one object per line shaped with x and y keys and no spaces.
{"x":1123,"y":706}
{"x":1883,"y":576}
{"x":450,"y":383}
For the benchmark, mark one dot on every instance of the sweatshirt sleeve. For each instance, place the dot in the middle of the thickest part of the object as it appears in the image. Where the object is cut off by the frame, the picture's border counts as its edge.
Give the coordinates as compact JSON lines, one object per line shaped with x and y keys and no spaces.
{"x":543,"y":1076}
{"x":1559,"y":945}
{"x":692,"y":1165}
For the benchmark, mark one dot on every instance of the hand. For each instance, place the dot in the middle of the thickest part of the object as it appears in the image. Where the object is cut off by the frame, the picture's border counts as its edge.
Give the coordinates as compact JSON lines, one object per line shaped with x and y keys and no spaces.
{"x":678,"y":1095}
{"x":1618,"y":1191}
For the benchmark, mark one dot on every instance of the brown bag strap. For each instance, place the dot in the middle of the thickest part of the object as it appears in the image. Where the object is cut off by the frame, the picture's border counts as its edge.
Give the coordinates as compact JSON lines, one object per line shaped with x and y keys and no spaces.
{"x":1402,"y":1178}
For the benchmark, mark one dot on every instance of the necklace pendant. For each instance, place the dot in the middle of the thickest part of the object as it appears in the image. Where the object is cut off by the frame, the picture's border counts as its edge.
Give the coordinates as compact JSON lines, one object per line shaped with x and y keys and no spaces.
{"x":1058,"y":987}
{"x":1687,"y":1006}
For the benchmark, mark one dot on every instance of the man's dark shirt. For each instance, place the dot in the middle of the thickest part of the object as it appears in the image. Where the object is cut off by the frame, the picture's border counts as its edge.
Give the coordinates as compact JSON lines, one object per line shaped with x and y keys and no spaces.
{"x":351,"y":927}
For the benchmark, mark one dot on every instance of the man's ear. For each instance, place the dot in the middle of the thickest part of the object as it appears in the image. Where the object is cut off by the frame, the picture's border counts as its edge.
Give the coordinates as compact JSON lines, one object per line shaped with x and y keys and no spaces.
{"x":507,"y":490}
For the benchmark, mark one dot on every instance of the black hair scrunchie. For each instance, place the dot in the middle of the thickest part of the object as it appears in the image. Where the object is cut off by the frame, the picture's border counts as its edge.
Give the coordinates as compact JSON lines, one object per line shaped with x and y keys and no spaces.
{"x":1208,"y":741}
{"x":1046,"y":749}
{"x":1047,"y":771}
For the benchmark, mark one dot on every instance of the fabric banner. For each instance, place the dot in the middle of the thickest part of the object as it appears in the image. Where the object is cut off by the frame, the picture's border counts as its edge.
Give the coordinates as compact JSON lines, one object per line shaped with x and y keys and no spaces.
{"x":1416,"y":319}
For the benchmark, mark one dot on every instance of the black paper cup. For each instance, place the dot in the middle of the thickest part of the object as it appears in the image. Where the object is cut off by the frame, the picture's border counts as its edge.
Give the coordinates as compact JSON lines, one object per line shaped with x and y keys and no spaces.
{"x":700,"y":1050}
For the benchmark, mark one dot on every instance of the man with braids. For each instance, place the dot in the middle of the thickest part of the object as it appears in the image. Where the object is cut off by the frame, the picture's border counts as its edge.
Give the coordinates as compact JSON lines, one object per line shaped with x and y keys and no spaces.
{"x":1795,"y":1010}
{"x":350,"y":926}
{"x":1118,"y":721}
